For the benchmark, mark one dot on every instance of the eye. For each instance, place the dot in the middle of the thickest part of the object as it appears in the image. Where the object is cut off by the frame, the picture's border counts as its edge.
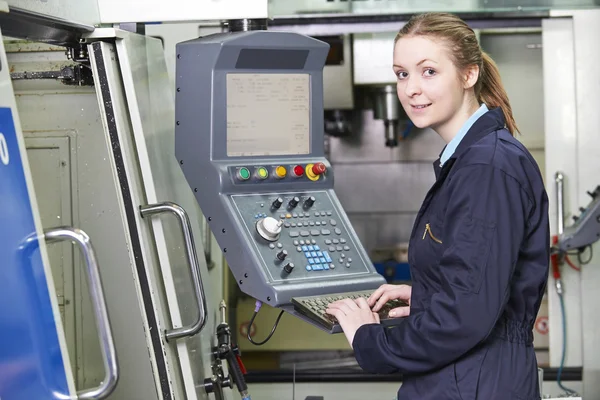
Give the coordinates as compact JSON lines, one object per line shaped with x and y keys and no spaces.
{"x":429,"y":72}
{"x":401,"y":74}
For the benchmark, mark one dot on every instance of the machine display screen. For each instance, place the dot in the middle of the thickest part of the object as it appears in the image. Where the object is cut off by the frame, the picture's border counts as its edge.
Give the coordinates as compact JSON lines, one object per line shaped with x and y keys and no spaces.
{"x":268,"y":114}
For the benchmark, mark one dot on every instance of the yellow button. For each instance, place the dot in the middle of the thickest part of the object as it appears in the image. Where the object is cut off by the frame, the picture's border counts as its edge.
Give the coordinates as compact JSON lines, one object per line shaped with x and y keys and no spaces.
{"x":262,"y":173}
{"x":280,"y":172}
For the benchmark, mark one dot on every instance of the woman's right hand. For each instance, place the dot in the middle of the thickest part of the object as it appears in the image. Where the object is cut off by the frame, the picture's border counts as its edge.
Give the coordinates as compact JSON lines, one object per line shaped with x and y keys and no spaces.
{"x":388,"y":292}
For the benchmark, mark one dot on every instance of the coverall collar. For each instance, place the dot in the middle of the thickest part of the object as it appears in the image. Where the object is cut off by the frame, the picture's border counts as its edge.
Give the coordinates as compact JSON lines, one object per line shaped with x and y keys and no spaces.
{"x":489,"y":122}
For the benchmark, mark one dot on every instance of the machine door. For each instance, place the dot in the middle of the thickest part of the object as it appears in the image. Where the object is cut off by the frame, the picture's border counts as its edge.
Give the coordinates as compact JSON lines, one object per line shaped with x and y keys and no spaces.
{"x":33,"y":357}
{"x":169,"y":218}
{"x":150,"y":97}
{"x":34,"y":362}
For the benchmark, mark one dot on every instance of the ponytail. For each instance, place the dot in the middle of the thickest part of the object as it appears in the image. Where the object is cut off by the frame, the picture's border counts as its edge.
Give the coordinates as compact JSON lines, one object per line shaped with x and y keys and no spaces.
{"x":492,"y":93}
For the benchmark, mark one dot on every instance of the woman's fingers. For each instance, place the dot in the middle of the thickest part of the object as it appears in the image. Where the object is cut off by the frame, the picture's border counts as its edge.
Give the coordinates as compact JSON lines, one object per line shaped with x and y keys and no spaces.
{"x":399,"y":312}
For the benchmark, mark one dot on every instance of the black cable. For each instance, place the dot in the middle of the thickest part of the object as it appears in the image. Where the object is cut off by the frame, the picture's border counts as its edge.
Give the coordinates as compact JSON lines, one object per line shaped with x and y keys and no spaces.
{"x":270,"y":334}
{"x":581,"y":262}
{"x":555,"y":250}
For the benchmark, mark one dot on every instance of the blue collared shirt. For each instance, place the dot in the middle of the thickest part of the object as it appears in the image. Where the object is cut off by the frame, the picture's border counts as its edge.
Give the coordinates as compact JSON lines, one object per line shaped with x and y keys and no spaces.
{"x":451,"y":147}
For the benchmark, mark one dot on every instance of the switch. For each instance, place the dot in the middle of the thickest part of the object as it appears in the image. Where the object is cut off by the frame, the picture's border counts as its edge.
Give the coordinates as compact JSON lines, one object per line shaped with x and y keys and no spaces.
{"x":243,"y":174}
{"x":280,"y":172}
{"x":319,"y":168}
{"x":282,"y":255}
{"x":261,"y":173}
{"x":294,"y":202}
{"x":278,"y":202}
{"x":309,"y":202}
{"x":314,"y":171}
{"x":289,"y":267}
{"x":298,"y":171}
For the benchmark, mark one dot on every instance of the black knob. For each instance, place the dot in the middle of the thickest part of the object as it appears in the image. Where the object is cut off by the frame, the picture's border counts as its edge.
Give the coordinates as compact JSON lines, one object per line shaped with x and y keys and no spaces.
{"x":278,"y":202}
{"x":209,"y":385}
{"x":592,"y":195}
{"x":582,"y":209}
{"x":294,"y":202}
{"x":310,"y":201}
{"x":289,"y":267}
{"x":282,"y":255}
{"x":575,"y":218}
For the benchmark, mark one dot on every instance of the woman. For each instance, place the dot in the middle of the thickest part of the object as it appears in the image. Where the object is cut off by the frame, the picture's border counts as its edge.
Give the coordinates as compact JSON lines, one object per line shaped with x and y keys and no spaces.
{"x":479,"y":249}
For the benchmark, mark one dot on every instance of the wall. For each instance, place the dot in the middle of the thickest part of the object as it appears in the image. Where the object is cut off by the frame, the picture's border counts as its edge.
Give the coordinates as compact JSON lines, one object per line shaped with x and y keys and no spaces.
{"x":573,"y":94}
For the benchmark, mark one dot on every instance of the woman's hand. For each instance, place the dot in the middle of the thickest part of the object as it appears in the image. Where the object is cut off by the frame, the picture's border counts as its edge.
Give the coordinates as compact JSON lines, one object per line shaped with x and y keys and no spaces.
{"x":386,"y":293}
{"x":352,"y":314}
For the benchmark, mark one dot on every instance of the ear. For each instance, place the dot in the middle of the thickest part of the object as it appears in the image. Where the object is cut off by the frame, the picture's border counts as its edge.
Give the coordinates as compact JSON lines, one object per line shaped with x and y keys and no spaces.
{"x":470,"y":76}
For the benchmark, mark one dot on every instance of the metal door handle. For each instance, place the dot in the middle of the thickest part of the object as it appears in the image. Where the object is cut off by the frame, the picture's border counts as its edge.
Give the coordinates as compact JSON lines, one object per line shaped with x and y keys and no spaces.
{"x":95,"y":285}
{"x":190,"y":250}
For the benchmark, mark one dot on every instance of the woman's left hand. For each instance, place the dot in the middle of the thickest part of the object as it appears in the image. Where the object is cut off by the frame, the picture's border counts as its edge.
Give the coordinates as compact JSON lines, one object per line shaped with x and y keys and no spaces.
{"x":352,"y":314}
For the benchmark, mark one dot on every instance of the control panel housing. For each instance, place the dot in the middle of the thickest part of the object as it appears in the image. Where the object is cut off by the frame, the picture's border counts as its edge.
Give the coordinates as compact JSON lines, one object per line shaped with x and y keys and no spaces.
{"x":249,"y":139}
{"x":586,"y":227}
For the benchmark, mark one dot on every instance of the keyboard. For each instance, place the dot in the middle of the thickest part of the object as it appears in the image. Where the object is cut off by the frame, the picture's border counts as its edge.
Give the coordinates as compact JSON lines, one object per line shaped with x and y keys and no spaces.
{"x":314,"y":308}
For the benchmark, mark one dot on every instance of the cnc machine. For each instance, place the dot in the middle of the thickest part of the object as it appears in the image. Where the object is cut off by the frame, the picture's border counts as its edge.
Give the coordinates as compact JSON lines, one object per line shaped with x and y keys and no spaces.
{"x":249,"y":138}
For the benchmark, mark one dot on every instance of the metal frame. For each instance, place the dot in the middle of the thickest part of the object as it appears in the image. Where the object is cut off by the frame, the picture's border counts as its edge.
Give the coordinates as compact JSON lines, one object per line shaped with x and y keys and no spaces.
{"x":338,"y":24}
{"x":145,"y":179}
{"x":116,"y":122}
{"x":109,"y":355}
{"x":30,"y":25}
{"x":190,"y":250}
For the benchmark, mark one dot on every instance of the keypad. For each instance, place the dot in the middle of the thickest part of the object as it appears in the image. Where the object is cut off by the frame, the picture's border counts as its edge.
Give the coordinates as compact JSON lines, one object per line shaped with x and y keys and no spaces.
{"x":317,"y":225}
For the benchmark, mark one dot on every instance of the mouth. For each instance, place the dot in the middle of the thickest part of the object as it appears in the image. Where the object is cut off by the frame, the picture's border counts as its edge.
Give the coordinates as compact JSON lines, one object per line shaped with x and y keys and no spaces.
{"x":420,"y":106}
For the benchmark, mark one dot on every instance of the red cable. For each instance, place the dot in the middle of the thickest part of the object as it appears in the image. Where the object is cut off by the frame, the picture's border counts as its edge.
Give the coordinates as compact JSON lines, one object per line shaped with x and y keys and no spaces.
{"x":568,"y":260}
{"x":554,"y":260}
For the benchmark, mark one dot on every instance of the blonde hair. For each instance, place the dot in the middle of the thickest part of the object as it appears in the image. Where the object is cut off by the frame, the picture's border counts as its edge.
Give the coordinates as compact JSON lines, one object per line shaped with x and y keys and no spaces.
{"x":464,"y":52}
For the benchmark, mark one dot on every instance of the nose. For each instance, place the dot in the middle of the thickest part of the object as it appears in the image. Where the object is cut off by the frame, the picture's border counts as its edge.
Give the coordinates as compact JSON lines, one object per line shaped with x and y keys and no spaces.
{"x":412,"y":86}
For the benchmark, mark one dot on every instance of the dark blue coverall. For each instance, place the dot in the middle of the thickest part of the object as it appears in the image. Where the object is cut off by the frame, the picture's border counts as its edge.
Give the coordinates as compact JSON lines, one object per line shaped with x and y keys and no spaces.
{"x":479,"y":256}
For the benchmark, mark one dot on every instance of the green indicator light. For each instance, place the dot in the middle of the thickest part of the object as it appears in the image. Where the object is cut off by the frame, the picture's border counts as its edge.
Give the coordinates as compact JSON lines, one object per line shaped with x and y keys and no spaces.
{"x":244,"y":173}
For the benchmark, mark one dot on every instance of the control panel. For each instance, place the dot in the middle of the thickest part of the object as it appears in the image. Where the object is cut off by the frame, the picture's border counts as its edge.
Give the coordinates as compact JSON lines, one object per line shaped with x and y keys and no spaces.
{"x":249,"y":139}
{"x":299,"y":236}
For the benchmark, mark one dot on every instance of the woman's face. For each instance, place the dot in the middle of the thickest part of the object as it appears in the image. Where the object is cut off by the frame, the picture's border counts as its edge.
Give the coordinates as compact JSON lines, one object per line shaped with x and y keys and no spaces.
{"x":429,"y":86}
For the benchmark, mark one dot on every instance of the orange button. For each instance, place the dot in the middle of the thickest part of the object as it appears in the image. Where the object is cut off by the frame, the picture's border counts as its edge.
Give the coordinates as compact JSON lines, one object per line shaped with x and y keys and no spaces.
{"x":280,"y":172}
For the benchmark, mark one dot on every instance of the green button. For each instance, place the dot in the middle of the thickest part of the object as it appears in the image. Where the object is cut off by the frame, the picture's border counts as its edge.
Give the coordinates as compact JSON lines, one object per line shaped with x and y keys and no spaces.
{"x":244,"y":173}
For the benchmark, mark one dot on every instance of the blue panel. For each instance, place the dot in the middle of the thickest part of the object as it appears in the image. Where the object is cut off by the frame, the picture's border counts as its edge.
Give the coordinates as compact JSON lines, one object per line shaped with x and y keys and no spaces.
{"x":394,"y":272}
{"x":31,"y":362}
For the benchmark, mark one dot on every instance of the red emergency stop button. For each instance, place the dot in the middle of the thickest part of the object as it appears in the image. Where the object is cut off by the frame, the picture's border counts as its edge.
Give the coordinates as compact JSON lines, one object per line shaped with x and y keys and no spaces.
{"x":314,"y":171}
{"x":319,"y":168}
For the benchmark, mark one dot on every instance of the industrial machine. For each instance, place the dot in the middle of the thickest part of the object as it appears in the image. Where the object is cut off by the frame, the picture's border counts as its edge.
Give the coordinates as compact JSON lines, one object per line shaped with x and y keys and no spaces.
{"x":94,"y":133}
{"x":585,"y":229}
{"x":249,"y":139}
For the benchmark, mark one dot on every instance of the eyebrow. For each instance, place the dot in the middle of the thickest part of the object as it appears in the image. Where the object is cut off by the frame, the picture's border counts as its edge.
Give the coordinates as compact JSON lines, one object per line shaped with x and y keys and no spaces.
{"x":419,"y":63}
